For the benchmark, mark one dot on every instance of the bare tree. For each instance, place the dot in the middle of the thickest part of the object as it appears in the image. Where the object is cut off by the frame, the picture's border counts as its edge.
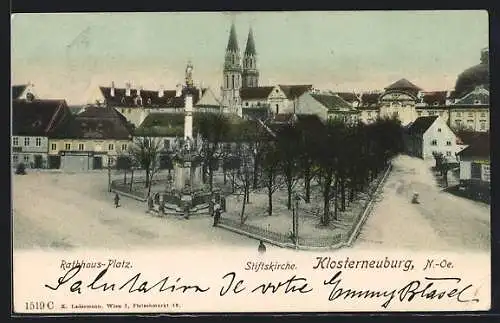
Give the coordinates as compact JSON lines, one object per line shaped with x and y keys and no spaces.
{"x":271,"y":179}
{"x":145,"y":153}
{"x":244,"y":175}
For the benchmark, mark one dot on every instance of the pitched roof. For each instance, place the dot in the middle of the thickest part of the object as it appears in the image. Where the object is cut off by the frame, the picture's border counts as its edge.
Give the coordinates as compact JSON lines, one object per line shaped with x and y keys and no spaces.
{"x":253,"y":93}
{"x":232,"y":44}
{"x":98,"y":123}
{"x":435,"y":98}
{"x":403,"y":84}
{"x":348,"y":96}
{"x":332,"y":102}
{"x":480,"y":147}
{"x":479,"y":95}
{"x":469,"y":137}
{"x":421,"y":124}
{"x":250,"y":48}
{"x":17,"y":90}
{"x":37,"y":117}
{"x":148,"y":98}
{"x":294,"y":91}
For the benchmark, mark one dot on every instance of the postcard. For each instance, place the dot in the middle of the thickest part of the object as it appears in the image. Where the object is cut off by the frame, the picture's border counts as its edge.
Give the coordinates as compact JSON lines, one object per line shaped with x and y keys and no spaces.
{"x":223,"y":162}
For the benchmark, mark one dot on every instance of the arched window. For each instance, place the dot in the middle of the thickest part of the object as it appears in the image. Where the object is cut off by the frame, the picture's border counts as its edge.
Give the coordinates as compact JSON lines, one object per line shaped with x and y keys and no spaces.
{"x":233,"y":81}
{"x":227,"y":81}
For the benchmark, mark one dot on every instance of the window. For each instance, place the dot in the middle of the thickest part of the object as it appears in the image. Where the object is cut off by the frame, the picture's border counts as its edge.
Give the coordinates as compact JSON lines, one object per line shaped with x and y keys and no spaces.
{"x":26,"y":158}
{"x":233,"y":82}
{"x":448,"y":153}
{"x":439,"y":129}
{"x":458,"y":122}
{"x":15,"y":141}
{"x":419,"y":113}
{"x":277,"y":108}
{"x":38,"y":142}
{"x":111,"y":147}
{"x":459,"y":114}
{"x":166,"y":144}
{"x":477,"y":102}
{"x":483,"y":126}
{"x":434,"y":142}
{"x":81,"y":146}
{"x":470,"y":121}
{"x":15,"y":159}
{"x":124,"y":147}
{"x":67,"y":146}
{"x":246,"y":103}
{"x":470,"y":114}
{"x":448,"y":143}
{"x":53,"y":146}
{"x":483,"y":114}
{"x":26,"y":141}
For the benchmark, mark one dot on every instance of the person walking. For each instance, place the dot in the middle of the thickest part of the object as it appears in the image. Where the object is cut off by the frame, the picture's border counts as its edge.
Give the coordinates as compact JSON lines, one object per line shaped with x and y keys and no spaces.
{"x":216,"y":214}
{"x":117,"y":200}
{"x":262,"y":247}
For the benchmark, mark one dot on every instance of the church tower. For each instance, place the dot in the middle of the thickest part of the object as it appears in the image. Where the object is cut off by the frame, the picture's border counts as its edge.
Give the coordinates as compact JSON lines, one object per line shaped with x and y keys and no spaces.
{"x":231,"y":83}
{"x":250,"y":72}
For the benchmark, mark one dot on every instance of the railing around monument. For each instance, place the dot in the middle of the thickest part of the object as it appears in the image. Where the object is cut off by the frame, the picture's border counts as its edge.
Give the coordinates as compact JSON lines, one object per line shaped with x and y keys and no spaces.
{"x":258,"y":231}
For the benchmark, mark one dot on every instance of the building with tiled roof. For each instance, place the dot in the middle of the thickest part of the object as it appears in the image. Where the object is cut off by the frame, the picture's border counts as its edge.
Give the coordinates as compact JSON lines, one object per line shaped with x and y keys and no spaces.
{"x":136,"y":104}
{"x":475,"y":162}
{"x":33,"y":123}
{"x":326,"y":106}
{"x":94,"y":136}
{"x":429,"y":135}
{"x":471,"y":111}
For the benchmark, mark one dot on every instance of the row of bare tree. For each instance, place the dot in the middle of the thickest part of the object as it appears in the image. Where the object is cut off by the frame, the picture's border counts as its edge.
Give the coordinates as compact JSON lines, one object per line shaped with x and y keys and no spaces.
{"x":342,"y":158}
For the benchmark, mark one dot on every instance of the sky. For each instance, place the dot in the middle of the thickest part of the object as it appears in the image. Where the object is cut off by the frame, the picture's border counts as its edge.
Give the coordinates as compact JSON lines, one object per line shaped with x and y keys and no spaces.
{"x":70,"y":55}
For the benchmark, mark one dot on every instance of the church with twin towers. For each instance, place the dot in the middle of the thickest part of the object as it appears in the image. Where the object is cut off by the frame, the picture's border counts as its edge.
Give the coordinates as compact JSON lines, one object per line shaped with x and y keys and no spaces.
{"x":238,"y":72}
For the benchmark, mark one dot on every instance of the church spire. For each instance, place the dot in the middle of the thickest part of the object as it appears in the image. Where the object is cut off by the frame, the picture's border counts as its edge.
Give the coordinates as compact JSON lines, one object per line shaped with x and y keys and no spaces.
{"x":232,"y":44}
{"x":250,"y":48}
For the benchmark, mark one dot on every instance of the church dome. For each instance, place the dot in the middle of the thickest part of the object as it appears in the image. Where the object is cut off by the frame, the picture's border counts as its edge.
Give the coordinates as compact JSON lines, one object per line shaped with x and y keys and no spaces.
{"x":474,"y":76}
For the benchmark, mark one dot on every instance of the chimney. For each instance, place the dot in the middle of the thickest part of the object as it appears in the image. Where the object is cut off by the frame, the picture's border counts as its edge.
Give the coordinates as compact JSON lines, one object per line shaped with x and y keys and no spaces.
{"x":127,"y":89}
{"x":178,"y":90}
{"x":161,"y":92}
{"x":112,"y":88}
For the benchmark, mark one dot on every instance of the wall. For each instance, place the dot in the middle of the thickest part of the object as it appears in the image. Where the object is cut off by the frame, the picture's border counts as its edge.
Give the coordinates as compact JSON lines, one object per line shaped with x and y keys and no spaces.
{"x":442,"y":137}
{"x":94,"y":145}
{"x":479,"y":117}
{"x":306,"y":104}
{"x":31,"y":147}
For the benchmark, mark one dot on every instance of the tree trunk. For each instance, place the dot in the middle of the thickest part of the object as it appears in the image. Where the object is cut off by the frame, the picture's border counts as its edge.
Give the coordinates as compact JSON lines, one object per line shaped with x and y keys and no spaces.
{"x":125,"y":178}
{"x":204,"y":172}
{"x":270,"y":200}
{"x":242,"y":217}
{"x":336,"y":201}
{"x":342,"y":194}
{"x":147,"y":177}
{"x":326,"y":200}
{"x":131,"y":180}
{"x":255,"y":176}
{"x":307,"y":185}
{"x":289,"y":194}
{"x":225,"y":177}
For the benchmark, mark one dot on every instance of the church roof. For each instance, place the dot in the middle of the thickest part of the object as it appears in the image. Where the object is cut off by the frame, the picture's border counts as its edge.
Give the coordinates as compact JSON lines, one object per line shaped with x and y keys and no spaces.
{"x":250,"y":48}
{"x":232,"y":44}
{"x":403,"y":84}
{"x":254,"y":93}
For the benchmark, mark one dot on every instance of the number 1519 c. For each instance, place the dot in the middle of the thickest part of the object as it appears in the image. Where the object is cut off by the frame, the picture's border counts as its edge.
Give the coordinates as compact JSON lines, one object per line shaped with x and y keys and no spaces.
{"x":39,"y":305}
